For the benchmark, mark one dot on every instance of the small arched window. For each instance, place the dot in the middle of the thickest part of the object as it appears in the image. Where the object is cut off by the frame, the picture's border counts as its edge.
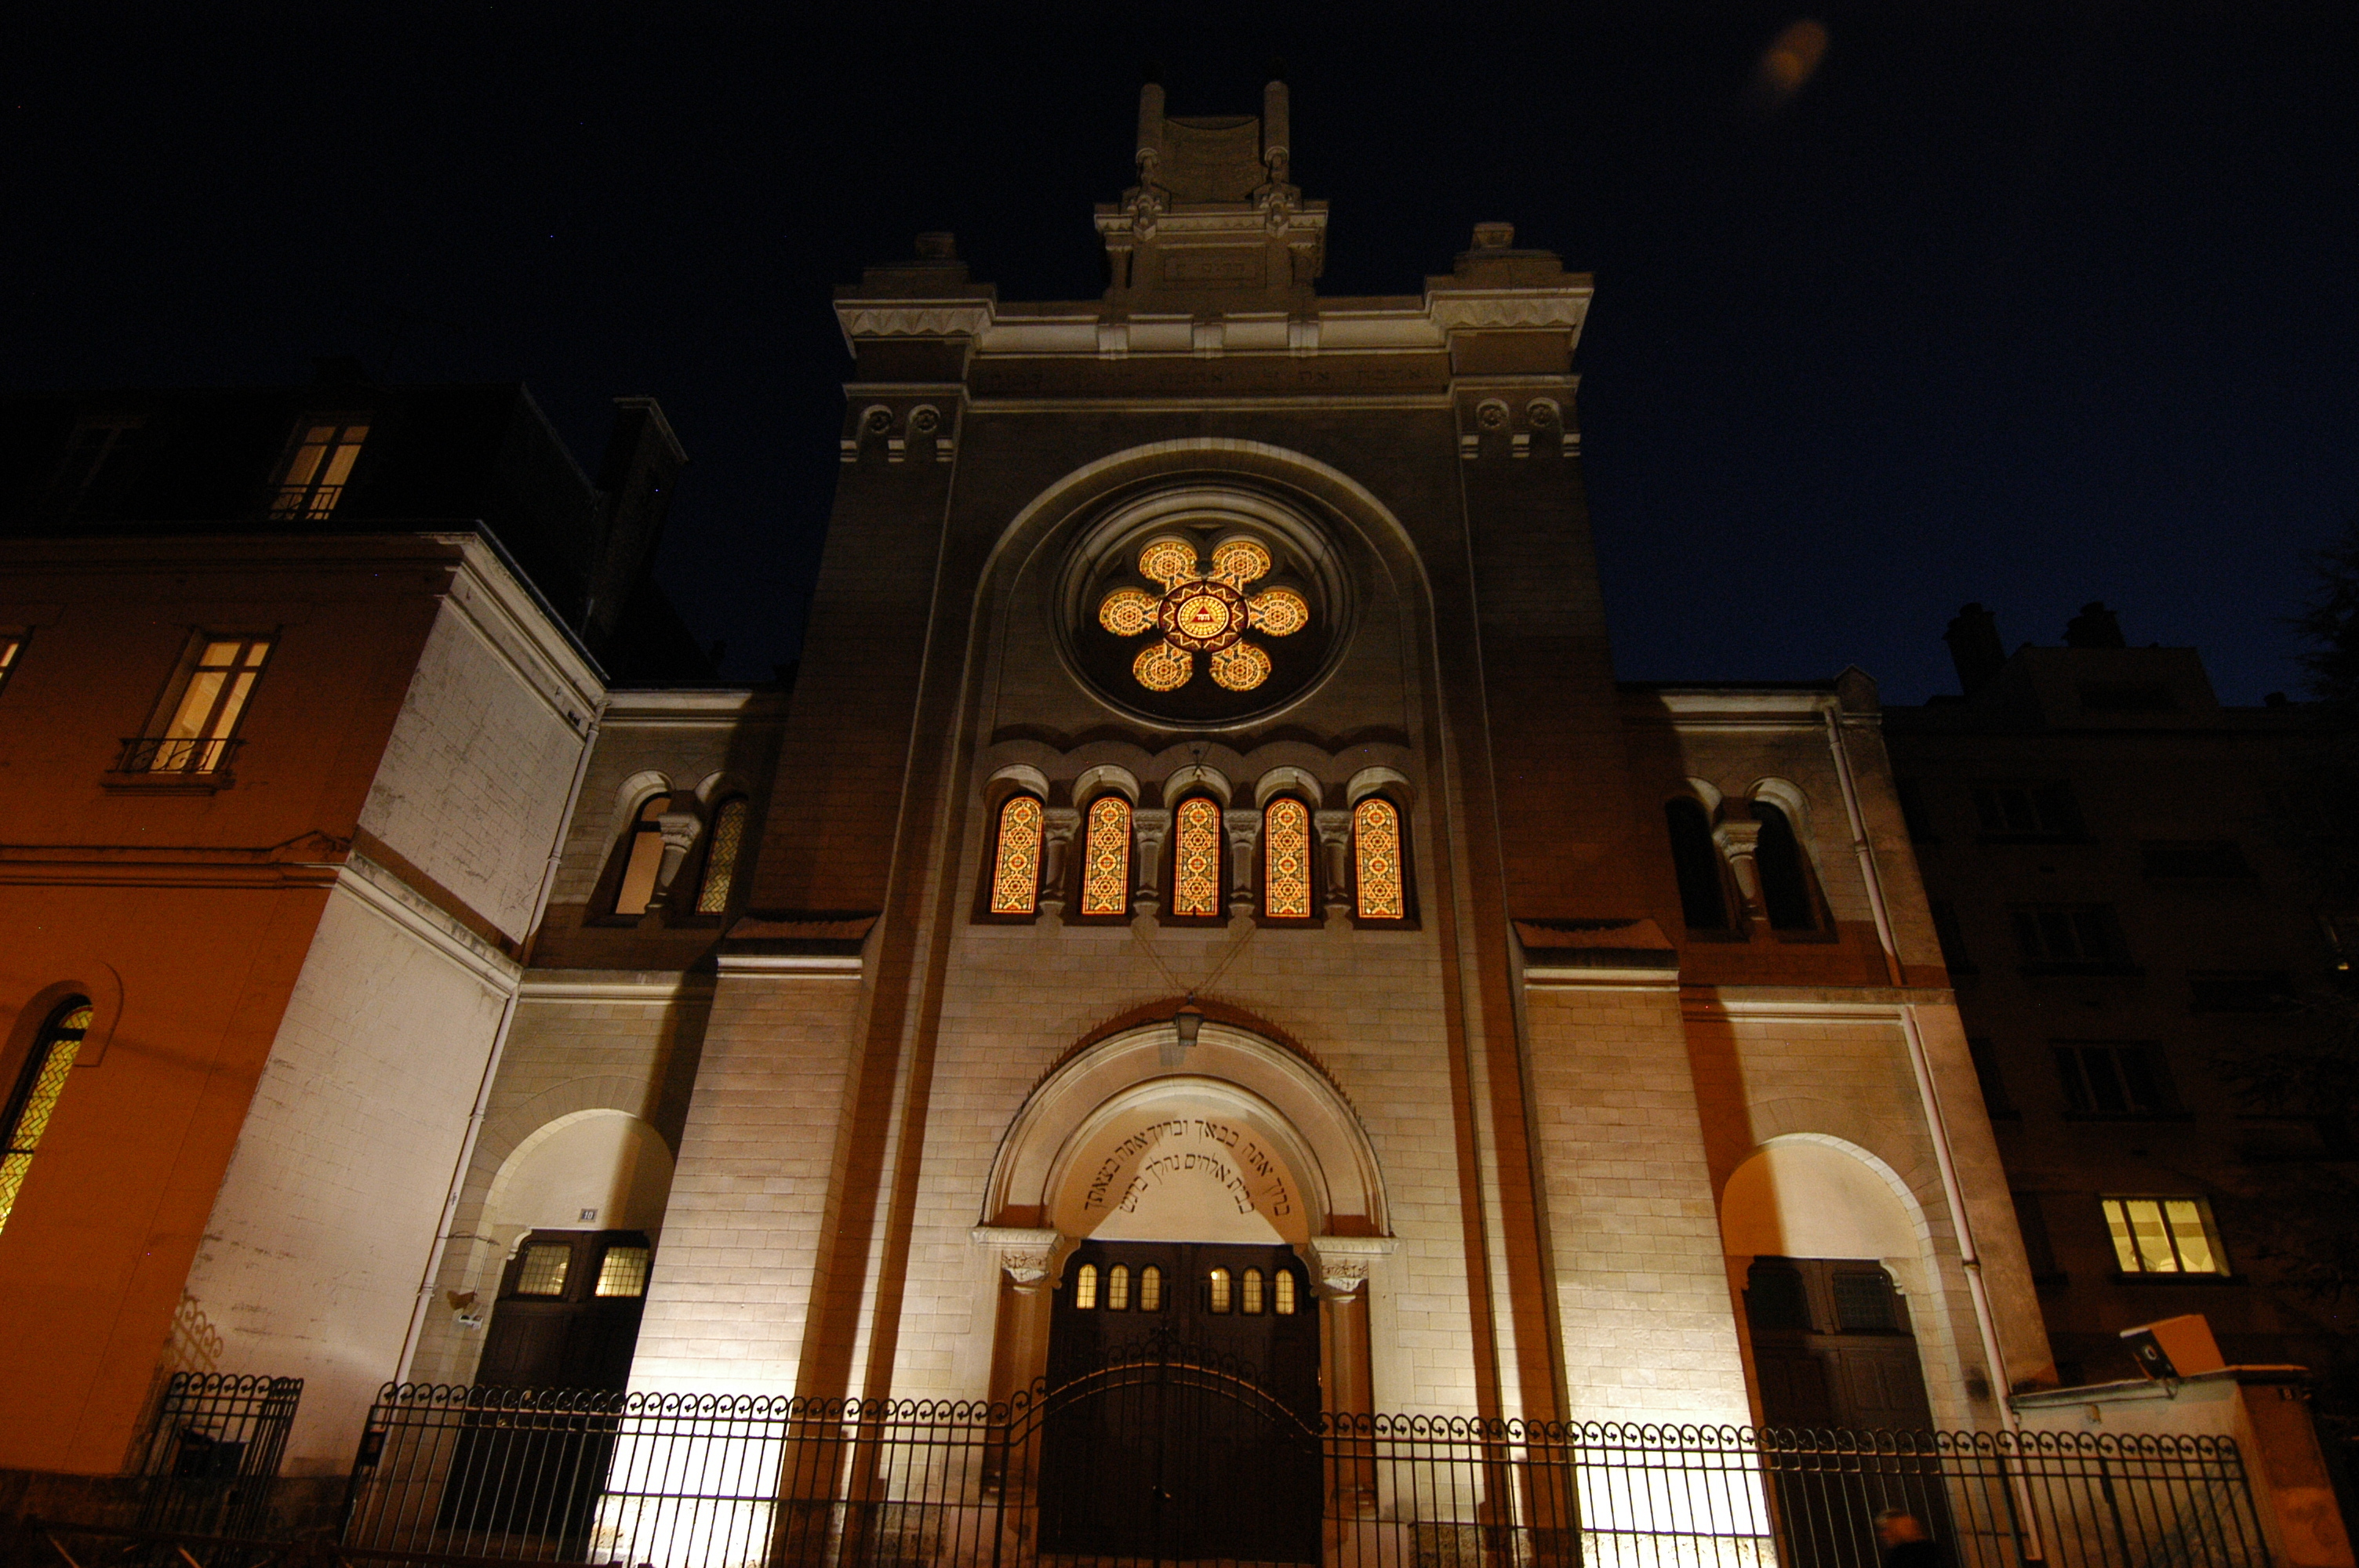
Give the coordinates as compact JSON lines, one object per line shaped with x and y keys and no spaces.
{"x":1249,"y":1293}
{"x":724,"y":844}
{"x":1196,"y":859}
{"x":1150,"y":1289}
{"x":1085,"y":1288}
{"x":1282,"y":1287}
{"x":1016,"y":864}
{"x":1378,"y":888}
{"x":641,"y":854}
{"x":1285,"y":859}
{"x":1118,"y":1288}
{"x":1785,"y":884}
{"x":1105,"y":860}
{"x":1216,"y":1290}
{"x":35,"y":1098}
{"x":1703,"y":903}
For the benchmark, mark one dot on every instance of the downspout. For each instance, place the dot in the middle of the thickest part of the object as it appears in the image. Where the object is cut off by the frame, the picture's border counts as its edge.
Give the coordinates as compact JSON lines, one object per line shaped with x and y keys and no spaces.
{"x":1953,"y":1191}
{"x":492,"y":1064}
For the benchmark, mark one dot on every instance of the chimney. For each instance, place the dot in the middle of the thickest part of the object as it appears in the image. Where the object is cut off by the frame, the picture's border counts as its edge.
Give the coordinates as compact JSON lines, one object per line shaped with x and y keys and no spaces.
{"x":1276,"y":134}
{"x":2094,"y":627}
{"x":1974,"y":646}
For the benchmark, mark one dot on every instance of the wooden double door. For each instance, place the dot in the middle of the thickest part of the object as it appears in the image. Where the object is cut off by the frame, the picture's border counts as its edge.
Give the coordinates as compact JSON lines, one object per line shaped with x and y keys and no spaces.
{"x":1181,"y":1420}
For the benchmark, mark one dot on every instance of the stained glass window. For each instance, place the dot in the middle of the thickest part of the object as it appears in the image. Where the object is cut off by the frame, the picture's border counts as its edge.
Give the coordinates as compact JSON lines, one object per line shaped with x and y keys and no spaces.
{"x":1216,"y":1291}
{"x":1285,"y":859}
{"x":1105,"y":868}
{"x":623,"y":1272}
{"x":543,"y":1269}
{"x":1376,"y":849}
{"x":1196,"y":859}
{"x":1085,"y":1288}
{"x":1282,"y":1287}
{"x":35,"y":1097}
{"x":1150,"y":1289}
{"x":721,"y":856}
{"x":1251,"y":1293}
{"x":1016,"y":866}
{"x":1197,"y":611}
{"x":1118,"y":1288}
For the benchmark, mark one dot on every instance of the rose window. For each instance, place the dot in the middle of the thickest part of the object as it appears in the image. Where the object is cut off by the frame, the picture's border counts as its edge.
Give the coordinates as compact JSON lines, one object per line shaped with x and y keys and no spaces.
{"x":1200,"y":611}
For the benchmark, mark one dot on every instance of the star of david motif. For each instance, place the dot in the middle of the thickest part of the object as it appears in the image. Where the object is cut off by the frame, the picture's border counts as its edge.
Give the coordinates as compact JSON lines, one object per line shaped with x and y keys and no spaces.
{"x":1202,"y":611}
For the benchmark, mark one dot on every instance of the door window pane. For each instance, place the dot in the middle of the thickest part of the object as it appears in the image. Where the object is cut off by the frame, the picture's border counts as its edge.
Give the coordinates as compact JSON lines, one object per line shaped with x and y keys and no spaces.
{"x":623,"y":1272}
{"x":545,"y":1265}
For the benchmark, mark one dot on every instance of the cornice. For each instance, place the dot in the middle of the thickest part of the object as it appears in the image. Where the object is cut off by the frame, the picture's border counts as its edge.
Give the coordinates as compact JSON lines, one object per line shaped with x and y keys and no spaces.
{"x":1485,"y":310}
{"x":913,"y":318}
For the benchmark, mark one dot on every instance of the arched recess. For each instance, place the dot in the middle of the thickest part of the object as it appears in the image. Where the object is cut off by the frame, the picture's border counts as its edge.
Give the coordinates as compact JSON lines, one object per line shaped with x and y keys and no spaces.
{"x":1811,"y":1196}
{"x":1234,"y":1138}
{"x":605,"y":1163}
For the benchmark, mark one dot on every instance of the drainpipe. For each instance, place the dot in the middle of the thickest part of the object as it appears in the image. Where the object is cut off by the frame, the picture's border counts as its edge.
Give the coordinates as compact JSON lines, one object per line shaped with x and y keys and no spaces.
{"x":492,"y":1064}
{"x":1968,"y":1254}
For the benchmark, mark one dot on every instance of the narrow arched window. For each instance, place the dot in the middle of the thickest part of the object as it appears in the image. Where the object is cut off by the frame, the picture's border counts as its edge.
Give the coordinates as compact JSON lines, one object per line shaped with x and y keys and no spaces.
{"x":1379,"y":889}
{"x":1118,"y":1288}
{"x":722,"y":847}
{"x":1285,"y":859}
{"x":1150,"y":1289}
{"x":1785,"y":884}
{"x":1703,"y":902}
{"x":1249,"y":1293}
{"x":35,"y":1098}
{"x":641,"y":853}
{"x":1085,"y":1288}
{"x":1196,"y":859}
{"x":1216,"y":1290}
{"x":1282,"y":1288}
{"x":1015,"y":861}
{"x":1105,"y":862}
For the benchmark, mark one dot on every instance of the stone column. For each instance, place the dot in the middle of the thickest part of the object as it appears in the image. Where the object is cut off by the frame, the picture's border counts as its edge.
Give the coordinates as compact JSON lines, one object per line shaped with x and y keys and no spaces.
{"x":1244,"y":836}
{"x":1148,"y":829}
{"x":679,"y":830}
{"x":1340,"y":1264}
{"x":1739,"y":841}
{"x":1057,"y":825}
{"x":1025,"y":1262}
{"x":1334,"y":828}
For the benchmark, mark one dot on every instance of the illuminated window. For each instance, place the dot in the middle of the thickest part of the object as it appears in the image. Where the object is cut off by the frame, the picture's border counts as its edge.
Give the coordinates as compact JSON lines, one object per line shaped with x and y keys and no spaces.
{"x":1285,"y":859}
{"x":1216,"y":1292}
{"x":2163,"y":1236}
{"x":1118,"y":1288}
{"x":1376,"y":854}
{"x":1016,"y":862}
{"x":623,"y":1272}
{"x":196,"y":738}
{"x":35,"y":1099}
{"x":1249,"y":1293}
{"x":728,"y":840}
{"x":1150,"y":1289}
{"x":319,"y":468}
{"x":1105,"y":869}
{"x":1195,"y":611}
{"x":1196,"y":859}
{"x":1085,"y":1288}
{"x":641,"y":857}
{"x":1282,"y":1288}
{"x":542,"y":1272}
{"x":10,"y":646}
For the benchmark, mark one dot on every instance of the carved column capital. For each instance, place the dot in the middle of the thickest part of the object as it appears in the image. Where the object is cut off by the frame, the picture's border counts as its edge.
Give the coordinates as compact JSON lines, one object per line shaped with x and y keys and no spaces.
{"x":1341,"y":1263}
{"x":1740,"y":842}
{"x":1058,"y":825}
{"x":1028,"y":1257}
{"x":678,"y":830}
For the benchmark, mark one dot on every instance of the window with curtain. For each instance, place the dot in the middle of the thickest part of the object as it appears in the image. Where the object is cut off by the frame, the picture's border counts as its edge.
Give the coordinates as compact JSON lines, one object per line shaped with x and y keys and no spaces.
{"x":641,"y":854}
{"x":1105,"y":858}
{"x":723,"y":845}
{"x":1285,"y":859}
{"x":1196,"y":859}
{"x":1785,"y":881}
{"x":35,"y":1097}
{"x":1704,"y":900}
{"x":1015,"y":858}
{"x":1379,"y":888}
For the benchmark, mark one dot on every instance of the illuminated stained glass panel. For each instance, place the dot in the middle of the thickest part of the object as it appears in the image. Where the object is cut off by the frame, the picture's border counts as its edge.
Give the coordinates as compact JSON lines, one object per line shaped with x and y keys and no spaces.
{"x":1196,"y":859}
{"x":1127,"y":611}
{"x":1162,"y":667}
{"x":1239,"y":561}
{"x":1376,"y":848}
{"x":45,"y":1080}
{"x":1285,"y":859}
{"x":1168,"y":561}
{"x":1240,"y":667}
{"x":1281,"y":611}
{"x":1105,"y":865}
{"x":1016,"y":868}
{"x":721,"y":858}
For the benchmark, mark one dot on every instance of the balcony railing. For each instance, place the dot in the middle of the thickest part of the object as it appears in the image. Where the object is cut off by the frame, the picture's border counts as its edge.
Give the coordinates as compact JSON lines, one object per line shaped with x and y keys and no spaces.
{"x":175,"y":754}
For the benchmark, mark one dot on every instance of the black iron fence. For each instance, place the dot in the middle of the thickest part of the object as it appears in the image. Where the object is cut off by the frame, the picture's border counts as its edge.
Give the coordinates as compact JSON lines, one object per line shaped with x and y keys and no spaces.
{"x":213,"y":1451}
{"x":1089,"y":1473}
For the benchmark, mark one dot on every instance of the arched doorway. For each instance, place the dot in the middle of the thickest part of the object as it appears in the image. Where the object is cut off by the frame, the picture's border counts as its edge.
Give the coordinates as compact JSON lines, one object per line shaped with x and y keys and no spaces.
{"x":1191,"y":1332}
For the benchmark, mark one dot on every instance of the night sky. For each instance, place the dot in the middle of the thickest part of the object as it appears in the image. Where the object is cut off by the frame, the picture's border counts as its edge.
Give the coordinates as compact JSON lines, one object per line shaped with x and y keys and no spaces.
{"x":2029,"y":305}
